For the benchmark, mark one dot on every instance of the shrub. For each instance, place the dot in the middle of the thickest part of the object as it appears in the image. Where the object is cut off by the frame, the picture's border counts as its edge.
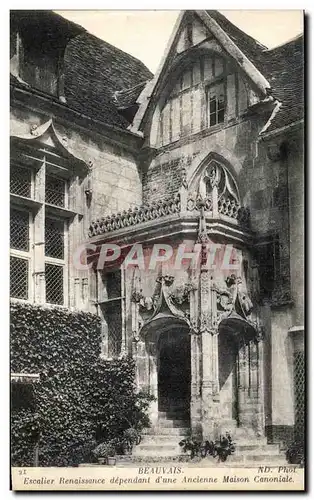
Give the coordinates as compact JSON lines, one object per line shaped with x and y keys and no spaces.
{"x":79,"y":399}
{"x":104,"y":450}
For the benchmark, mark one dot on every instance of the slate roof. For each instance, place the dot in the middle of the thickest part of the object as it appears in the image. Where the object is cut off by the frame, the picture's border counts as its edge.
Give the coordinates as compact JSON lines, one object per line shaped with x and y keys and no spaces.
{"x":103,"y":82}
{"x":94,"y":71}
{"x":282,"y":66}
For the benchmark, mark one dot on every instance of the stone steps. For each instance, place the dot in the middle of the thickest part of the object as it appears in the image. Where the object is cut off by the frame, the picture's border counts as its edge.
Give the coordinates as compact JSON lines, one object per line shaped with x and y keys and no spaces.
{"x":257,"y":459}
{"x":249,"y":449}
{"x":162,"y":450}
{"x":164,"y":422}
{"x":161,"y":443}
{"x":162,"y":438}
{"x":169,"y":431}
{"x":146,"y":460}
{"x":176,"y":415}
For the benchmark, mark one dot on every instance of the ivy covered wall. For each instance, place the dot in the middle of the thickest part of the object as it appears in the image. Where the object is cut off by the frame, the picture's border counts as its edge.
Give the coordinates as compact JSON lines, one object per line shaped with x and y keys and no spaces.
{"x":79,"y":399}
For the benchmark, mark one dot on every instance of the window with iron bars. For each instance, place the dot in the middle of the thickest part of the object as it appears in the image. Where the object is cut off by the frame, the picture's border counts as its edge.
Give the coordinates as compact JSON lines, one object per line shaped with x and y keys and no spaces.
{"x":56,"y":191}
{"x":55,"y":265}
{"x":19,"y":230}
{"x":20,"y":258}
{"x":21,"y":181}
{"x":19,"y":277}
{"x":299,"y":374}
{"x":111,"y":306}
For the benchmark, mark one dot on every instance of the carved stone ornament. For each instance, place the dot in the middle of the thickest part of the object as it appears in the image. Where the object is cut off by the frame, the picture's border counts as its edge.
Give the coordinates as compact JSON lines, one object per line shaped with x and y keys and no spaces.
{"x":135,"y":337}
{"x":194,"y":330}
{"x":181,"y":294}
{"x":145,"y":303}
{"x":34,"y":129}
{"x":213,"y":173}
{"x":167,"y":279}
{"x":205,"y":321}
{"x":233,"y":298}
{"x":184,"y":182}
{"x":260,"y":333}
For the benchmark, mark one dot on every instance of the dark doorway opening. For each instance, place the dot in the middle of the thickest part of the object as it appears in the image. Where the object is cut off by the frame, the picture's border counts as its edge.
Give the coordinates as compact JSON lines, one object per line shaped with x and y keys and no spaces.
{"x":174,"y":371}
{"x":228,"y":377}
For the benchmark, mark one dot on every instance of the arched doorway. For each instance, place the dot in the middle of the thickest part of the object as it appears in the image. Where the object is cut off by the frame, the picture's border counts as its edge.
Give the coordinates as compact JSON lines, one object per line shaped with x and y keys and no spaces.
{"x":174,"y":370}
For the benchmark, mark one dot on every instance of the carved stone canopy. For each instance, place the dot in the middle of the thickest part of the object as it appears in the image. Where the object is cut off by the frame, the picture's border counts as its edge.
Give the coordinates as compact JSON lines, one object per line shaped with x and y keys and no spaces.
{"x":151,"y":331}
{"x":166,"y":312}
{"x":237,"y":327}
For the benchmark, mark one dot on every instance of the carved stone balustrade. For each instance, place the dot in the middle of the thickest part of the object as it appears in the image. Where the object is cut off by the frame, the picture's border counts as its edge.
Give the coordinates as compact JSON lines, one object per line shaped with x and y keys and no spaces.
{"x":170,"y":206}
{"x":135,"y":216}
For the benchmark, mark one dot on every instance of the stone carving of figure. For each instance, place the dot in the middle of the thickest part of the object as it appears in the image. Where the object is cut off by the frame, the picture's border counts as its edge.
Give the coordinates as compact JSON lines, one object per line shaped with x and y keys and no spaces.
{"x":244,"y":299}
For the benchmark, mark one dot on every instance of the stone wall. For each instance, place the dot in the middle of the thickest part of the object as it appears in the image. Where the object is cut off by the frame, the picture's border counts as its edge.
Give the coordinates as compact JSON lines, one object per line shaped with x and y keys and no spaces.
{"x":295,"y":165}
{"x":111,"y":176}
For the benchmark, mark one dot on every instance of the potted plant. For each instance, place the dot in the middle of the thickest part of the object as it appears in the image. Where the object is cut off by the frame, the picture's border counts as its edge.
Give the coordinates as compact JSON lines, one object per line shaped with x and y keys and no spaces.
{"x":105,"y":453}
{"x":224,"y":447}
{"x":131,"y":437}
{"x":295,"y":453}
{"x":191,"y":445}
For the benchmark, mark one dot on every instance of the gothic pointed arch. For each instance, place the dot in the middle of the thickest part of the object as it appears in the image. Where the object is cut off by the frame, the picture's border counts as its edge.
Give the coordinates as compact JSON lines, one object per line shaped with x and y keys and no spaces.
{"x":216,"y":175}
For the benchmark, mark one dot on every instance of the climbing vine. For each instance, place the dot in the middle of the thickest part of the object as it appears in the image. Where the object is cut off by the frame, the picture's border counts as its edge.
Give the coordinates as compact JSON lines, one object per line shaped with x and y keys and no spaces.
{"x":79,"y":399}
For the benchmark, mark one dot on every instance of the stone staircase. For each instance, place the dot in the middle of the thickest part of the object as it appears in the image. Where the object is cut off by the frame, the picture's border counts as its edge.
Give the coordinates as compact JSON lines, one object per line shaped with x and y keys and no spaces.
{"x":163,"y":440}
{"x":161,"y":444}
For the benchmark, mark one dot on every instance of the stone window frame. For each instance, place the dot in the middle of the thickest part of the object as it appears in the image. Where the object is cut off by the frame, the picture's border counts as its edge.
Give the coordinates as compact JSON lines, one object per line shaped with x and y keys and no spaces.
{"x":35,"y":158}
{"x":102,"y":301}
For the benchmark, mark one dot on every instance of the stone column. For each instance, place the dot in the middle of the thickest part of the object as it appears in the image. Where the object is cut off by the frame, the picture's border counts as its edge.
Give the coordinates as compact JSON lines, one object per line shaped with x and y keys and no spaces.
{"x":210,"y":384}
{"x":141,"y":365}
{"x":243,"y":383}
{"x":39,"y":292}
{"x":195,"y":410}
{"x":153,"y":382}
{"x":260,"y":414}
{"x":215,"y":201}
{"x":210,"y":376}
{"x":124,"y":346}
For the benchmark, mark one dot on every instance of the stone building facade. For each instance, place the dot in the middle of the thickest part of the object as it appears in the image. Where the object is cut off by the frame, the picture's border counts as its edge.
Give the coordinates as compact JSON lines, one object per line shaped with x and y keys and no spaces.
{"x":207,"y":153}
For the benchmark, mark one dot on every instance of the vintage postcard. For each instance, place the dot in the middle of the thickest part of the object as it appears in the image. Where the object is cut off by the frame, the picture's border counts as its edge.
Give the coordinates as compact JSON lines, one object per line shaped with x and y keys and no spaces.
{"x":156,"y":250}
